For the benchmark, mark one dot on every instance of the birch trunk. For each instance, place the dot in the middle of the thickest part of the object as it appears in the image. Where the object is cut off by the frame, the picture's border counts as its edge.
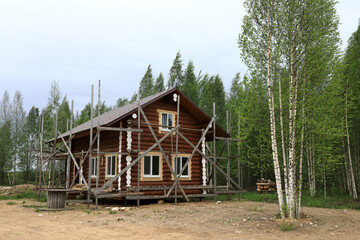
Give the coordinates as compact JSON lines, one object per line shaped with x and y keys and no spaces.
{"x":286,"y":180}
{"x":355,"y":196}
{"x":272,"y":119}
{"x":292,"y":116}
{"x":347,"y":173}
{"x":298,"y":209}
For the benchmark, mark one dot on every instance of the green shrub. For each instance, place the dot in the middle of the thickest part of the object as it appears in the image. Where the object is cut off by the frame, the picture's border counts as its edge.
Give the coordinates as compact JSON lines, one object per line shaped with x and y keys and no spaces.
{"x":286,"y":226}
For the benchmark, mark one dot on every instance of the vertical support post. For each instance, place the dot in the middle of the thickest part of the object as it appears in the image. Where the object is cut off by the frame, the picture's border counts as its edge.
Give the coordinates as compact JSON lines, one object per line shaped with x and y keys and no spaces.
{"x":138,"y":169}
{"x":228,"y":152}
{"x":52,"y":171}
{"x":119,"y":157}
{"x":98,"y":148}
{"x":90,"y":143}
{"x":70,"y":143}
{"x":177,"y":143}
{"x":41,"y":154}
{"x":238,"y":158}
{"x":214,"y":150}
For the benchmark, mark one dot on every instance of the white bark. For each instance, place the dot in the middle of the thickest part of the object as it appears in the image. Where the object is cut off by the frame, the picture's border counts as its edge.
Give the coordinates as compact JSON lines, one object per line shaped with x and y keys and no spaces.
{"x":355,"y":196}
{"x":272,"y":119}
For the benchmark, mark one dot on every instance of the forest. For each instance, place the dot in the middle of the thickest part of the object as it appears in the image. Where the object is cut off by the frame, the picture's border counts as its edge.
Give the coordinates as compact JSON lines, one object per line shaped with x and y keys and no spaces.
{"x":297,"y":106}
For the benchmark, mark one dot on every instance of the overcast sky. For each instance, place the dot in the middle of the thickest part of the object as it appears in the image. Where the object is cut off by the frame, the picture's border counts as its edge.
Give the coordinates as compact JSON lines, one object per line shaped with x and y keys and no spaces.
{"x":79,"y":42}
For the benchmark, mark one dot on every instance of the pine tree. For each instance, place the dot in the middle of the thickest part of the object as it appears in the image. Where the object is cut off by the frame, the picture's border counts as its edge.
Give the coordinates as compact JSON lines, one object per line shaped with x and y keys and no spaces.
{"x":176,"y":72}
{"x":146,"y":83}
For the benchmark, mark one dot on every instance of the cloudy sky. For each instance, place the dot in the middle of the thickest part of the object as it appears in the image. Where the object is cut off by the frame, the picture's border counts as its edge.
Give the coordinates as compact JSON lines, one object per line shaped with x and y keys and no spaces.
{"x":79,"y":42}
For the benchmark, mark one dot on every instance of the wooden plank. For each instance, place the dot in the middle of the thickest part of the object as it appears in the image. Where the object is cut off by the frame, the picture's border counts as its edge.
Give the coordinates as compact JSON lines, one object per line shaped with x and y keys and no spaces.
{"x":162,"y":151}
{"x":68,"y":162}
{"x":120,"y":129}
{"x":192,"y":154}
{"x":212,"y":162}
{"x":171,"y":196}
{"x":72,"y":156}
{"x":121,"y":194}
{"x":134,"y":162}
{"x":90,"y":142}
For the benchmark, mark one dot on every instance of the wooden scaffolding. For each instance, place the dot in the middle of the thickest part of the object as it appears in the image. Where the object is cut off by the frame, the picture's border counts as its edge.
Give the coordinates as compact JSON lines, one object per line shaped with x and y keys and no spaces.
{"x":211,"y":156}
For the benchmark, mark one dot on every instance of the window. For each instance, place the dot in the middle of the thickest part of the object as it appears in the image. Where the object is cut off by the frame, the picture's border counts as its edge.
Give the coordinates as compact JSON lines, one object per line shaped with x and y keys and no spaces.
{"x":110,"y":165}
{"x":180,"y":163}
{"x":93,"y":167}
{"x":166,"y":120}
{"x":151,"y":166}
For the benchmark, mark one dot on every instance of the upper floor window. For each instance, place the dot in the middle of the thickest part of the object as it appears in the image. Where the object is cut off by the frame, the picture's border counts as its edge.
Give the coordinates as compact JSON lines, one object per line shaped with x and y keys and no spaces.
{"x":166,"y":120}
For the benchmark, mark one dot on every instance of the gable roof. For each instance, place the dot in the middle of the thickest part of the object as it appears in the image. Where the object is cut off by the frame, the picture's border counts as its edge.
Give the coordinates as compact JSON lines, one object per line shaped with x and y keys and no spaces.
{"x":119,"y":113}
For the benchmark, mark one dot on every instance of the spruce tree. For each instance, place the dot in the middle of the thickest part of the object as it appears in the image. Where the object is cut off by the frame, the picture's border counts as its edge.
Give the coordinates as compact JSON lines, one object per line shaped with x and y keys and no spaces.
{"x":176,"y":72}
{"x":146,"y":84}
{"x":159,"y":84}
{"x":190,"y":85}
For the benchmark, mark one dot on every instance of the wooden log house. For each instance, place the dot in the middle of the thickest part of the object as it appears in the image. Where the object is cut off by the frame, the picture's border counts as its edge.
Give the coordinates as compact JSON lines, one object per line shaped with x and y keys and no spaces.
{"x":155,"y":148}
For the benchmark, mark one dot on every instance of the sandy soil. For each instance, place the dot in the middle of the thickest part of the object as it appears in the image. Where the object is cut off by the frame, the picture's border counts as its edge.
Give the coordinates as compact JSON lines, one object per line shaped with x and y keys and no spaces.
{"x":195,"y":220}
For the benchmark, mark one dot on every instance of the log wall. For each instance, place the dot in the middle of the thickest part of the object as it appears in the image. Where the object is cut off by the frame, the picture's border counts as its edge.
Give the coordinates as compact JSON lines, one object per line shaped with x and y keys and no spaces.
{"x":109,"y":142}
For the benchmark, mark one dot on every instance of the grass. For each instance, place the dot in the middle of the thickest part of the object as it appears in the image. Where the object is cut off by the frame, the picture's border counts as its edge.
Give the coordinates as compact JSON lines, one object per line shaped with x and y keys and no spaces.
{"x":335,"y":201}
{"x":286,"y":226}
{"x":112,"y":212}
{"x":30,"y":195}
{"x":10,"y":203}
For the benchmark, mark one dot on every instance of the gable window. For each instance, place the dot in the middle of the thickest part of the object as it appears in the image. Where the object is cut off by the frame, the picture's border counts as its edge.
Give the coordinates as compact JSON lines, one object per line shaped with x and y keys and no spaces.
{"x":180,"y":163}
{"x":93,"y":166}
{"x":166,"y":121}
{"x":151,"y":167}
{"x":110,"y":165}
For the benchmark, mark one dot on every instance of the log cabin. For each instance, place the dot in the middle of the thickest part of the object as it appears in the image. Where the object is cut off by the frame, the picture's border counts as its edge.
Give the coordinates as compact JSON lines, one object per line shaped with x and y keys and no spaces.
{"x":154,"y":148}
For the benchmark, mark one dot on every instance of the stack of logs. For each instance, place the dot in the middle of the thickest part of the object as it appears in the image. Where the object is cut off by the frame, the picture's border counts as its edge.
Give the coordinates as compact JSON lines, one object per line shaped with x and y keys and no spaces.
{"x":265,"y":185}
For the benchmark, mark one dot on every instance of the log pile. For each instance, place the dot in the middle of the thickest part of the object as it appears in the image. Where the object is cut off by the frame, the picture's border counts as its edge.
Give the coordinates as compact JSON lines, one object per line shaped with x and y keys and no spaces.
{"x":265,"y":185}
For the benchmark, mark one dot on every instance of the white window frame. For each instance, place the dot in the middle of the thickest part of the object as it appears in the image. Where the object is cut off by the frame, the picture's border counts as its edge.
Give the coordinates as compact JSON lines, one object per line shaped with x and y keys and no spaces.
{"x":111,"y":158}
{"x":178,"y":170}
{"x":151,"y":167}
{"x":169,"y":127}
{"x":93,"y":161}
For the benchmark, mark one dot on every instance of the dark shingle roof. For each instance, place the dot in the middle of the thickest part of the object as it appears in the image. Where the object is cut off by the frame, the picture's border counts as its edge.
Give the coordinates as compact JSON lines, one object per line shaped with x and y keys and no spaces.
{"x":118,"y":113}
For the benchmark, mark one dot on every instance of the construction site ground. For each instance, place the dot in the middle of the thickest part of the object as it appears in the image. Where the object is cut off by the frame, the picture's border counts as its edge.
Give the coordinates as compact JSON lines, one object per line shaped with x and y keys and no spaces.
{"x":24,"y":219}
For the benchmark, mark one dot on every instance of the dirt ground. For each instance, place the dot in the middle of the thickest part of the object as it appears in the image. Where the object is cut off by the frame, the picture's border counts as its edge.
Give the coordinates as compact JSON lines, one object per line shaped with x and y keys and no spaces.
{"x":194,"y":220}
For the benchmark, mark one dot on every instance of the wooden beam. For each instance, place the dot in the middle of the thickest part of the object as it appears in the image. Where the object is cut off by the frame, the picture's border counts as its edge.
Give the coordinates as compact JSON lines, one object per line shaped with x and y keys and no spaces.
{"x":192,"y":154}
{"x":90,"y":142}
{"x":119,"y":129}
{"x":133,"y":162}
{"x":208,"y":159}
{"x":70,"y":138}
{"x":83,"y":161}
{"x":162,"y":151}
{"x":73,"y":158}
